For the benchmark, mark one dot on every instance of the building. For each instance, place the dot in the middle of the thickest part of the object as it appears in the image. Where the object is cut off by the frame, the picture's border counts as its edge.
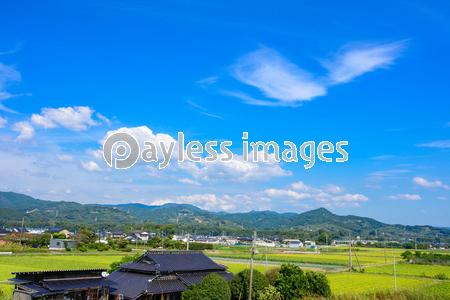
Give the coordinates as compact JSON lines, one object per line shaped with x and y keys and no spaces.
{"x":58,"y":230}
{"x":118,"y":235}
{"x":61,"y":285}
{"x":160,"y":275}
{"x":141,"y":234}
{"x":4,"y":232}
{"x":61,"y":244}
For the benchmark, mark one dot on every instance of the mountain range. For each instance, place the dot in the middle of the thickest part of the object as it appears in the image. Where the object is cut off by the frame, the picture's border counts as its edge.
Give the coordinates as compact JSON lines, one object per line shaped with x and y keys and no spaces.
{"x":14,"y":207}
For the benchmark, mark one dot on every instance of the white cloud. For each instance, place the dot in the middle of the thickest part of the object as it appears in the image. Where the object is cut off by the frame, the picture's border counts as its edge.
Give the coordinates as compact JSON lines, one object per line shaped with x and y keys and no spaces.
{"x":8,"y":75}
{"x":404,"y":197}
{"x":2,"y":122}
{"x":382,"y":157}
{"x":129,"y":180}
{"x":90,"y":166}
{"x":26,"y":131}
{"x":436,"y":144}
{"x":388,"y":173}
{"x":350,"y":198}
{"x":274,"y":193}
{"x":77,"y":118}
{"x":276,"y":77}
{"x":334,"y":189}
{"x":356,"y":59}
{"x":442,"y":198}
{"x":300,"y":186}
{"x":103,"y":118}
{"x":63,"y":157}
{"x":423,"y":182}
{"x":214,"y":202}
{"x":189,"y":181}
{"x":234,"y":170}
{"x":285,"y":84}
{"x":97,"y":154}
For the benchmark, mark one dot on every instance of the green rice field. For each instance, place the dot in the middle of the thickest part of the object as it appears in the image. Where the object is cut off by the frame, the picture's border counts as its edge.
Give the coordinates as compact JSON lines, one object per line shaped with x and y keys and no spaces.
{"x":411,"y":270}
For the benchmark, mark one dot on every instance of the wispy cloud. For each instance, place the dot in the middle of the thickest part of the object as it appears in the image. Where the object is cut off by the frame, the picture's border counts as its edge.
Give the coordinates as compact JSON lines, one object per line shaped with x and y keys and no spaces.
{"x":8,"y":76}
{"x":189,"y":181}
{"x":3,"y":122}
{"x":356,"y":59}
{"x":383,"y":157}
{"x":425,"y":183}
{"x":211,"y":115}
{"x":285,"y":84}
{"x":388,"y":173}
{"x":276,"y":77}
{"x":404,"y":197}
{"x":90,"y":166}
{"x":436,"y":144}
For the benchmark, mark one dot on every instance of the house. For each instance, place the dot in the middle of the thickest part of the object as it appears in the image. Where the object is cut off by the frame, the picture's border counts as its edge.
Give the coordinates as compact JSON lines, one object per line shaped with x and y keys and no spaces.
{"x":118,"y":234}
{"x":141,"y":234}
{"x":310,"y":244}
{"x":294,"y":243}
{"x":160,"y":275}
{"x":60,"y":285}
{"x":58,"y":230}
{"x":4,"y":232}
{"x":61,"y":244}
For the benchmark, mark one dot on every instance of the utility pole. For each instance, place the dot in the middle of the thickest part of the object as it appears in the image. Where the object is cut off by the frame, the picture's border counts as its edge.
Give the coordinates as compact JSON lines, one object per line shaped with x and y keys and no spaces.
{"x":266,"y":258}
{"x":385,"y":257}
{"x":350,"y":251}
{"x":187,"y":245}
{"x":21,"y":231}
{"x":327,"y":241}
{"x":251,"y":267}
{"x":395,"y":275}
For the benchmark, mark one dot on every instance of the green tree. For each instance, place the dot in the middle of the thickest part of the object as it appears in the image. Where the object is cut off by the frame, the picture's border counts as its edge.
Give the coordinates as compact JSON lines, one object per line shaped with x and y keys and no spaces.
{"x":240,"y":284}
{"x":272,"y":275}
{"x":269,"y":293}
{"x":212,"y":287}
{"x":115,"y":265}
{"x":322,"y":239}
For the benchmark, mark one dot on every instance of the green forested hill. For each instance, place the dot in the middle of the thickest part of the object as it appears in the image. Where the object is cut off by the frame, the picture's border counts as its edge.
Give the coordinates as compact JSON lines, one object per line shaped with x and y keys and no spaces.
{"x":13,"y":207}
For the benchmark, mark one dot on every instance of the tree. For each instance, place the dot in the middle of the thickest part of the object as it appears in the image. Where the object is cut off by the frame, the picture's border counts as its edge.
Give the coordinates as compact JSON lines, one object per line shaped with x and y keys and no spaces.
{"x":240,"y":284}
{"x":212,"y":287}
{"x":322,"y":239}
{"x":269,"y":293}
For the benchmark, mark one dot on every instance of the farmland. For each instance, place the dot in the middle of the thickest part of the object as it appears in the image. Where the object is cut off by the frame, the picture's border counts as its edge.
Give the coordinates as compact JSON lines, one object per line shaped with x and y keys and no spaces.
{"x":409,"y":277}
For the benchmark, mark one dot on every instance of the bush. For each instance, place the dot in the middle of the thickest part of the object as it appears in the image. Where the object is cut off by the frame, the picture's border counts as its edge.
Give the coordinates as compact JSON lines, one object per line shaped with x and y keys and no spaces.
{"x":441,"y":276}
{"x":293,"y":283}
{"x":115,"y":265}
{"x":212,"y":287}
{"x":240,"y":284}
{"x":272,"y":275}
{"x":68,"y":249}
{"x":269,"y":293}
{"x":127,"y":249}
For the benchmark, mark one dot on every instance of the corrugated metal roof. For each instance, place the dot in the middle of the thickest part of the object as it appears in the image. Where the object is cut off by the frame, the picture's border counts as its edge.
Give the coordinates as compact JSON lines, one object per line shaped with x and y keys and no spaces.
{"x":70,"y":284}
{"x":196,"y":278}
{"x":17,"y":281}
{"x":130,"y":285}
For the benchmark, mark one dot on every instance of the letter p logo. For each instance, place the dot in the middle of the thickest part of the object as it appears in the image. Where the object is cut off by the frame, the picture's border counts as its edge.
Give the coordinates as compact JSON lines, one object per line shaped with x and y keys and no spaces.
{"x":121,"y":163}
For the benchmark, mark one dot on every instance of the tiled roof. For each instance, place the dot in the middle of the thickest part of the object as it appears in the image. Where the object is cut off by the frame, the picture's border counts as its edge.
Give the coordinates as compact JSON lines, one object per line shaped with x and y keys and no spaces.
{"x":182,"y":261}
{"x":196,"y":278}
{"x":166,"y":284}
{"x":139,"y":267}
{"x":70,"y":284}
{"x":58,"y":271}
{"x":130,"y":285}
{"x":38,"y":291}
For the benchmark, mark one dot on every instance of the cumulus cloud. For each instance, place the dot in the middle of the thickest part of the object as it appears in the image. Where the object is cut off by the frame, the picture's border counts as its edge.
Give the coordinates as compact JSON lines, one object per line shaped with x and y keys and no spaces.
{"x":425,"y":183}
{"x":77,"y":118}
{"x":404,"y":197}
{"x":234,"y":170}
{"x":334,"y":189}
{"x":274,"y":193}
{"x":26,"y":131}
{"x":215,"y":202}
{"x":64,"y":158}
{"x":90,"y":166}
{"x":189,"y":181}
{"x":3,"y":122}
{"x":350,"y":198}
{"x":285,"y":84}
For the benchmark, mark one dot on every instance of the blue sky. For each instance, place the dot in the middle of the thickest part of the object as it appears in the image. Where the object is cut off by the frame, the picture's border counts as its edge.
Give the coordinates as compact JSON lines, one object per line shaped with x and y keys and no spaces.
{"x":372,"y":74}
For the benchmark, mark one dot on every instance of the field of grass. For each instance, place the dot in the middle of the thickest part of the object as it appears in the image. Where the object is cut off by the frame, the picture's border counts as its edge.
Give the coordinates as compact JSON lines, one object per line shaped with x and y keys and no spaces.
{"x":411,"y":270}
{"x":329,"y":259}
{"x":236,"y":268}
{"x":441,"y":289}
{"x":342,"y":283}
